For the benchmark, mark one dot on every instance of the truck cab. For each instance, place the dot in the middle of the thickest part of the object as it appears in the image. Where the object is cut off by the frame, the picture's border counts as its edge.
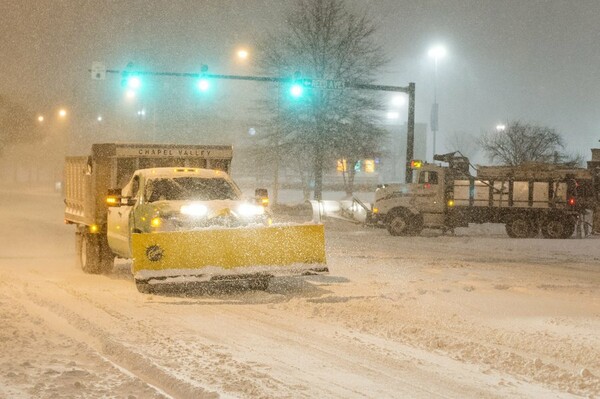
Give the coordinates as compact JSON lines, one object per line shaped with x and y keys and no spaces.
{"x":405,"y":209}
{"x":177,"y":199}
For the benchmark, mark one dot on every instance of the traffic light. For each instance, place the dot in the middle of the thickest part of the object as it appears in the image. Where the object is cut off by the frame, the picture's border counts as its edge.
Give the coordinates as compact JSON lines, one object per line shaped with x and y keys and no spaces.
{"x":131,"y":82}
{"x":134,"y":82}
{"x":296,"y":90}
{"x":203,"y":83}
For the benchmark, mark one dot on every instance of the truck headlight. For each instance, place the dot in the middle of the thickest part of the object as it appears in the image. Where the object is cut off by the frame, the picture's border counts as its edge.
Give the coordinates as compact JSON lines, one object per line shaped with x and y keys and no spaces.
{"x":196,"y":210}
{"x":249,"y":210}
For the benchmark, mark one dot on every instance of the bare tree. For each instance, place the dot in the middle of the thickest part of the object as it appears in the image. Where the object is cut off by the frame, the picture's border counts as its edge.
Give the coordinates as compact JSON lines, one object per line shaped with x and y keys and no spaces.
{"x":322,"y":40}
{"x":464,"y":142}
{"x":522,"y":142}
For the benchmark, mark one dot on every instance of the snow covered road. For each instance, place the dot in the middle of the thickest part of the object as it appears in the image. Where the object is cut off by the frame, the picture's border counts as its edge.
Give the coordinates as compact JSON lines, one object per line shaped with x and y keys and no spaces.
{"x":474,"y":315}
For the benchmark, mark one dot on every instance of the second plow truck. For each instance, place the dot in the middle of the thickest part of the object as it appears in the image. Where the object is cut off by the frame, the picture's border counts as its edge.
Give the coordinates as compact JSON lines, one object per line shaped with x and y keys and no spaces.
{"x":174,"y":210}
{"x":527,"y":199}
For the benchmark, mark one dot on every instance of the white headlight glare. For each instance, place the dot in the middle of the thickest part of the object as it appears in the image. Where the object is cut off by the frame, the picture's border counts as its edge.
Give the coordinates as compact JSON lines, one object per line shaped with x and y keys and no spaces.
{"x":248,"y":210}
{"x":197,"y":210}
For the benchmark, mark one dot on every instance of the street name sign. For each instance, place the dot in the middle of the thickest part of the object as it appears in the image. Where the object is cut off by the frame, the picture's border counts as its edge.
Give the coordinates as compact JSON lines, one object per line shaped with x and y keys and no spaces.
{"x":327,"y":84}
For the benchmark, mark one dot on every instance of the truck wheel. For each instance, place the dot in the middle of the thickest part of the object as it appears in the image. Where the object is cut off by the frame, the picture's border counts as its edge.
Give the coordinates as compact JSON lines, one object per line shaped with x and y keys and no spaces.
{"x":144,"y":287}
{"x":398,"y":225}
{"x":569,"y":227}
{"x":107,"y":258}
{"x":521,"y":227}
{"x":93,"y":254}
{"x":558,"y":228}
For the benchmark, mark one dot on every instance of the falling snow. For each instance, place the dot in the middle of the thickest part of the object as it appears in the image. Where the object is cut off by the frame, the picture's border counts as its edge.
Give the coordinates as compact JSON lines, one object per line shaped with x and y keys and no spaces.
{"x":472,"y":315}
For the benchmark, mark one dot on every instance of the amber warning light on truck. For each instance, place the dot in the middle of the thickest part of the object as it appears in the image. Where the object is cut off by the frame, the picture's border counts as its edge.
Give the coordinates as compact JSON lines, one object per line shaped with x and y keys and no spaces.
{"x":416,"y":164}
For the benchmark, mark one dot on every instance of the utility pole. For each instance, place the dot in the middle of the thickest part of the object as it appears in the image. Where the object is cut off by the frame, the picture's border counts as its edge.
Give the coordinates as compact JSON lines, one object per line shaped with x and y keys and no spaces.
{"x":410,"y":132}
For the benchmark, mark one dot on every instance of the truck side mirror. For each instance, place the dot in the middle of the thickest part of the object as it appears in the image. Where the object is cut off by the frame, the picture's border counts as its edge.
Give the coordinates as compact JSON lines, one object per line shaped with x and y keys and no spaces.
{"x":262,"y":196}
{"x":113,"y":197}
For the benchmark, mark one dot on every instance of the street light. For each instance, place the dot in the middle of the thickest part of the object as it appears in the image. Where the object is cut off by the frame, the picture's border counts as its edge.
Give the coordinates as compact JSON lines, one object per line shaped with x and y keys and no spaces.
{"x":243,"y":54}
{"x":437,"y":53}
{"x":62,"y":113}
{"x":398,"y":101}
{"x":40,"y":118}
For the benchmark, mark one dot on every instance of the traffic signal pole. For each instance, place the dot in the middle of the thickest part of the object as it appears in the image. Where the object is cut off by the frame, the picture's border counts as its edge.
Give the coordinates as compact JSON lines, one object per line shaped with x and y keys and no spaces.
{"x":325,"y":84}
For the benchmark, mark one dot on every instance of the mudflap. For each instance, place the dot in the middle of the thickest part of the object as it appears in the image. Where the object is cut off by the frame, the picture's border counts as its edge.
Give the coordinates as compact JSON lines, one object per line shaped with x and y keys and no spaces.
{"x":214,"y":253}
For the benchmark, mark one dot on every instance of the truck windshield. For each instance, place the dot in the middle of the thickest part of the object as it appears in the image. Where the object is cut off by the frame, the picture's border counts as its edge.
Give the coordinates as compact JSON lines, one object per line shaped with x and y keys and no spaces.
{"x":189,"y":188}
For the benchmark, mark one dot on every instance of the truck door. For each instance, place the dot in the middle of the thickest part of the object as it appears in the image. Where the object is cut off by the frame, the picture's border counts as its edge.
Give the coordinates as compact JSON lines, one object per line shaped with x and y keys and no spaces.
{"x":429,"y":193}
{"x":119,"y":228}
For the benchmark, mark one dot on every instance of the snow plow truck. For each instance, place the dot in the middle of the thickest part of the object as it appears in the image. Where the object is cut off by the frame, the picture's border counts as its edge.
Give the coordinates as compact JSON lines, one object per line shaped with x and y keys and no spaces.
{"x":175,"y":211}
{"x":527,"y":199}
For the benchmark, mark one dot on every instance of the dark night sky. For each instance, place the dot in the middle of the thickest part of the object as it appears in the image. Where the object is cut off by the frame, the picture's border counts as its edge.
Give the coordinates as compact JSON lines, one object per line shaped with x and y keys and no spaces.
{"x":531,"y":60}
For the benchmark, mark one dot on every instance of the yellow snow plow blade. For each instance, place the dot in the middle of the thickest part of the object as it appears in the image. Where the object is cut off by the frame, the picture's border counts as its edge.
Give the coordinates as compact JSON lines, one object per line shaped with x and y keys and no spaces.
{"x":229,"y":248}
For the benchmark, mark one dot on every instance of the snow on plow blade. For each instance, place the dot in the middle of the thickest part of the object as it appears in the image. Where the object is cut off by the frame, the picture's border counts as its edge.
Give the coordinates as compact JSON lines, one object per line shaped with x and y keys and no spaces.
{"x":275,"y":250}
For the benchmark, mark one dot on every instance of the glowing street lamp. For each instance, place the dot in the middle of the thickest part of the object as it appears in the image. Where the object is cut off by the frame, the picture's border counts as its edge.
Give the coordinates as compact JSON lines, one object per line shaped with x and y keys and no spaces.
{"x":62,"y":113}
{"x":243,"y":54}
{"x":437,"y":52}
{"x":40,"y":118}
{"x":398,"y":101}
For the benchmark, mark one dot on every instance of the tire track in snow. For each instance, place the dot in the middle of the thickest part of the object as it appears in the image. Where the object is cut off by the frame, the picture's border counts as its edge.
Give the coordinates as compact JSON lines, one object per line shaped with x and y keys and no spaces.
{"x":280,"y":334}
{"x":218,"y":370}
{"x":388,"y":372}
{"x":124,"y":358}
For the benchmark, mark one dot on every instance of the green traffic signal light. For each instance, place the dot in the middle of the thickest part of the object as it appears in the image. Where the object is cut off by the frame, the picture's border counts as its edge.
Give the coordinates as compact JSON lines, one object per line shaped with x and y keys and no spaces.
{"x":296,"y":90}
{"x":203,"y":84}
{"x":134,"y":82}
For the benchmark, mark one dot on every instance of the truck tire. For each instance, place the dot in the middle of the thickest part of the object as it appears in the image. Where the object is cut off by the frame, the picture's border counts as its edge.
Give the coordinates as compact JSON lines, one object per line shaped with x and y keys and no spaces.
{"x":402,"y":223}
{"x":559,"y":227}
{"x":93,"y":254}
{"x":521,"y":227}
{"x":144,"y":287}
